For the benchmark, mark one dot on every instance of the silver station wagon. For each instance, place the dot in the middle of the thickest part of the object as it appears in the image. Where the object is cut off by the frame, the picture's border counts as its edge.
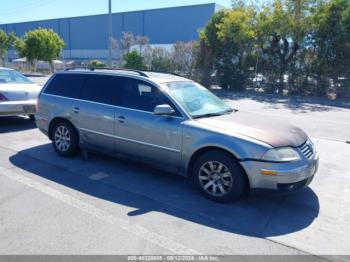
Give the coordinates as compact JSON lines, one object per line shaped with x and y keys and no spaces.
{"x":177,"y":125}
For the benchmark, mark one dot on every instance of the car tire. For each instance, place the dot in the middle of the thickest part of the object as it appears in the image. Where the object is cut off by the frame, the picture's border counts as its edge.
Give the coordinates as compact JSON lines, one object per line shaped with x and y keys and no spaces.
{"x":65,"y":139}
{"x":219,"y":177}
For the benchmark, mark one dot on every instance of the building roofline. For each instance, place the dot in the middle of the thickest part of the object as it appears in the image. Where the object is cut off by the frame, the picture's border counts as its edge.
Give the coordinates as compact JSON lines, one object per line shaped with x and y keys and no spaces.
{"x":104,"y":14}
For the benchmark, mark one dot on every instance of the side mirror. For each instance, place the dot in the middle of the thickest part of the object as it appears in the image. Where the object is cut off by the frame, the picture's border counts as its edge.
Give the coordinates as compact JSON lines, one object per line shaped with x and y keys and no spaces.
{"x":163,"y":110}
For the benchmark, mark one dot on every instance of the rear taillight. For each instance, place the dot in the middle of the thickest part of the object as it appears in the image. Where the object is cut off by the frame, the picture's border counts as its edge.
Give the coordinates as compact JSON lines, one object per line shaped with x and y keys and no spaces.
{"x":3,"y":98}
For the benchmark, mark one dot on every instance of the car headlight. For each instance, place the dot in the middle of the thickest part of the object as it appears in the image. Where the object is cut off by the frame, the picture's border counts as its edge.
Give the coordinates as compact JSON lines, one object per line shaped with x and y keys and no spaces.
{"x":282,"y":154}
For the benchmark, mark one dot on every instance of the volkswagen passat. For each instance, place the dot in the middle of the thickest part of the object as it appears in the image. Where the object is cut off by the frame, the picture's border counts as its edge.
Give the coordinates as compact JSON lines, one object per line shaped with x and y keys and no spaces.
{"x":18,"y":94}
{"x":175,"y":124}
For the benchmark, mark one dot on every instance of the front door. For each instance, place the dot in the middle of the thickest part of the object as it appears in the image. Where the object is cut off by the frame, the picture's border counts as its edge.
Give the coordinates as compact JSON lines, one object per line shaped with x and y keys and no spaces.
{"x":143,"y":135}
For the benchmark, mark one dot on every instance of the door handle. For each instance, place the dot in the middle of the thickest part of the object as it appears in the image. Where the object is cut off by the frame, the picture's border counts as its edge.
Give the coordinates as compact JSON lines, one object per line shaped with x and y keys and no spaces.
{"x":121,"y":119}
{"x":76,"y":110}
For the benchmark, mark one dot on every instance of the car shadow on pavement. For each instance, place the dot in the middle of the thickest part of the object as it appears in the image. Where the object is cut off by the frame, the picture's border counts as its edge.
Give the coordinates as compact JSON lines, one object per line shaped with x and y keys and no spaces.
{"x":14,"y":124}
{"x":147,"y":190}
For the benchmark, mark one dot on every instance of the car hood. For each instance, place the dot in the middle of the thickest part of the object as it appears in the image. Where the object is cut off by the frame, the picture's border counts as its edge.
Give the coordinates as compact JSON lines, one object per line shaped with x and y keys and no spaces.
{"x":269,"y":131}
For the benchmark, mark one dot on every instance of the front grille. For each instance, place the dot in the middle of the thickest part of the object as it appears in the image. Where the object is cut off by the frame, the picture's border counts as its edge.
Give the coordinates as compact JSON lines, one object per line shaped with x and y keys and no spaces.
{"x":307,"y":149}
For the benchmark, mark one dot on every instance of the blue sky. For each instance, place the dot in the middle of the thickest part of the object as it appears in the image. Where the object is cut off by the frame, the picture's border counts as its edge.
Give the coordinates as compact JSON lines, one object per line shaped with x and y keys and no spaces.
{"x":12,"y":11}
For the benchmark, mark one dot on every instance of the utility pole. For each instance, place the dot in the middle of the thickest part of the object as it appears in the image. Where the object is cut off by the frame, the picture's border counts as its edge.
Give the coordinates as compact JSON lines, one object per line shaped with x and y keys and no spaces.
{"x":110,"y":33}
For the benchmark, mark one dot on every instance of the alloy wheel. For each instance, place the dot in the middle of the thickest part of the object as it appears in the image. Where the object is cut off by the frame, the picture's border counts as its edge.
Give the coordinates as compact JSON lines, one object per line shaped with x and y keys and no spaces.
{"x":215,"y":178}
{"x":62,"y":138}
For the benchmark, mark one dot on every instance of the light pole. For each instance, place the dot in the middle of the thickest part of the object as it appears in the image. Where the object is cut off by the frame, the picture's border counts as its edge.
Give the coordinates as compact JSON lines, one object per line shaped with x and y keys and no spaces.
{"x":110,"y":32}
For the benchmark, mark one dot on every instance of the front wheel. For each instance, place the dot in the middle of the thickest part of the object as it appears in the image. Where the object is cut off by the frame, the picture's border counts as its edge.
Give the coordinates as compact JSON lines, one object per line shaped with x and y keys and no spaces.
{"x":219,"y":177}
{"x":65,"y":139}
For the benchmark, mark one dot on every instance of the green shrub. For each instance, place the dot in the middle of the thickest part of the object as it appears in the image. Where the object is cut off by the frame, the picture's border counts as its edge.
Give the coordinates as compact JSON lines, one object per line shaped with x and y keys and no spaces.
{"x":96,"y":63}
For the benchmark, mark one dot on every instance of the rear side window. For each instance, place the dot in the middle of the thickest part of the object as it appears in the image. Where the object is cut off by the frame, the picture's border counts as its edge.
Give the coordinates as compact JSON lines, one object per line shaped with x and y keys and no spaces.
{"x":67,"y":85}
{"x":101,"y":89}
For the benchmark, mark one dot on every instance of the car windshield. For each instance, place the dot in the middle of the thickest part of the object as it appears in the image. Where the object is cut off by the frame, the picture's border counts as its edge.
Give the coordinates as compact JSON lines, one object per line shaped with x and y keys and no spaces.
{"x":13,"y":77}
{"x":196,"y":99}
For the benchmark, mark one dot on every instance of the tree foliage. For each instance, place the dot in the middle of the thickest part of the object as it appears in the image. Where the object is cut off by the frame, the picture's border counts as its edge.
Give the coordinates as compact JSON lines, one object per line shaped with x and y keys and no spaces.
{"x":331,"y":43}
{"x":141,"y":41}
{"x":277,"y":41}
{"x":160,"y":60}
{"x":96,"y":63}
{"x":40,"y":44}
{"x":133,"y":60}
{"x":127,"y":41}
{"x":6,"y":41}
{"x":300,"y":46}
{"x":228,"y":41}
{"x":183,"y":55}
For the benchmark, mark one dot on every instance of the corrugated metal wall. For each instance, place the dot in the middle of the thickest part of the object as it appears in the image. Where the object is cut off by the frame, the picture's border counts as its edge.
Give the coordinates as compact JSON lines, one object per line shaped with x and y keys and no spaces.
{"x":88,"y":36}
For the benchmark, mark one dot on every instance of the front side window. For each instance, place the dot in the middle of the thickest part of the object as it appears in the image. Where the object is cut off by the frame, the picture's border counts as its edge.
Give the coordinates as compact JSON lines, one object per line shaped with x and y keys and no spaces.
{"x":142,"y":96}
{"x":196,"y":100}
{"x":13,"y":77}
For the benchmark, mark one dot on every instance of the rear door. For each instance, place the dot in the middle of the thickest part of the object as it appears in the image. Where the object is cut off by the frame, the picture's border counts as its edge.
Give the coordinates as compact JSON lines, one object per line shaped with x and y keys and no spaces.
{"x":95,"y":111}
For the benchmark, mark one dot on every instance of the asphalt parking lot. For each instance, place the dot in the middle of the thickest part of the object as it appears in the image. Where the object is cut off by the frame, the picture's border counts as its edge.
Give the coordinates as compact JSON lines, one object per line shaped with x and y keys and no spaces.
{"x":51,"y":205}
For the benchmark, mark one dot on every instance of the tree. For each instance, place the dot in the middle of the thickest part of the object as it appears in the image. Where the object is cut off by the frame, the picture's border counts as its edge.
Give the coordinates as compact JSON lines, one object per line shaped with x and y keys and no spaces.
{"x":161,"y":60}
{"x":134,"y":61}
{"x":277,"y":39}
{"x":331,"y":39}
{"x":116,"y":51}
{"x":40,"y":44}
{"x":6,"y":40}
{"x":142,"y":41}
{"x":209,"y":48}
{"x":127,"y":41}
{"x":228,"y":42}
{"x":183,"y":55}
{"x":237,"y":35}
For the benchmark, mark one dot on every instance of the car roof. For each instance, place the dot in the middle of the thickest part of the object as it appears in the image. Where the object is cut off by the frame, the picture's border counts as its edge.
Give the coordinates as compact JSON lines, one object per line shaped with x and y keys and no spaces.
{"x":158,"y":77}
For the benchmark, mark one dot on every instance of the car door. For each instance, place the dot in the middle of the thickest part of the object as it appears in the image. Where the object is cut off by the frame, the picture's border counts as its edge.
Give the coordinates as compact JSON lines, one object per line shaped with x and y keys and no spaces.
{"x":140,"y":133}
{"x":95,"y":112}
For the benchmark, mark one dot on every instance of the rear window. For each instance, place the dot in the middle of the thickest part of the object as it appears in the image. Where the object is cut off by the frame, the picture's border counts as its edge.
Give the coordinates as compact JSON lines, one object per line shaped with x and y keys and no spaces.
{"x":67,"y":85}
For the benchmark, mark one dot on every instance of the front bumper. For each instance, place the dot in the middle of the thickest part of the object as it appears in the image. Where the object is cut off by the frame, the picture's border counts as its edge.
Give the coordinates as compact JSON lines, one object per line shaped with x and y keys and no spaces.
{"x":286,"y":176}
{"x":14,"y":108}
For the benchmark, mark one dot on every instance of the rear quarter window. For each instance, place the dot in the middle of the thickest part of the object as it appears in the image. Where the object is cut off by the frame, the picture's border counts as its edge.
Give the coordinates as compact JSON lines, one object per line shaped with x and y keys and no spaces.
{"x":67,"y":85}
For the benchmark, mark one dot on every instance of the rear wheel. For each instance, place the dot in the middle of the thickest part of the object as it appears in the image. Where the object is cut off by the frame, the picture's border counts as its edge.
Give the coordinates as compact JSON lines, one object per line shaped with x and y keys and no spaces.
{"x":219,"y":177}
{"x":65,"y":139}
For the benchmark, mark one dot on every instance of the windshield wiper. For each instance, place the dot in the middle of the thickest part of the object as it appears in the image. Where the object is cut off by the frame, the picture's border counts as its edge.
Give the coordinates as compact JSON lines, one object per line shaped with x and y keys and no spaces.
{"x":209,"y":115}
{"x":231,"y":110}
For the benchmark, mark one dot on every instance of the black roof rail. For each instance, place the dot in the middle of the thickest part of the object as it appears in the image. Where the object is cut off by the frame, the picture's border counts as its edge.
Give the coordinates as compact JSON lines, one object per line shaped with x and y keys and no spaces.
{"x":163,"y":72}
{"x":141,"y":73}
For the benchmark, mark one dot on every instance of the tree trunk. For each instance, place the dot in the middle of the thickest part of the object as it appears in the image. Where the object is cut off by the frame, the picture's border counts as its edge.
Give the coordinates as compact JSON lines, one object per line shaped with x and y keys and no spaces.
{"x":281,"y":82}
{"x":52,"y":67}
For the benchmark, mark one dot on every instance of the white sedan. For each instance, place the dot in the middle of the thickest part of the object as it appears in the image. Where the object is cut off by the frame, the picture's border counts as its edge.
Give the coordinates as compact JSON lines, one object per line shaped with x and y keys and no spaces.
{"x":18,"y":94}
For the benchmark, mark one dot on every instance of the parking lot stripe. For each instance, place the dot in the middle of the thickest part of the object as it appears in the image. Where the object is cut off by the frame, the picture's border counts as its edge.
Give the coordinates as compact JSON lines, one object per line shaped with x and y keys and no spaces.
{"x":137,"y":230}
